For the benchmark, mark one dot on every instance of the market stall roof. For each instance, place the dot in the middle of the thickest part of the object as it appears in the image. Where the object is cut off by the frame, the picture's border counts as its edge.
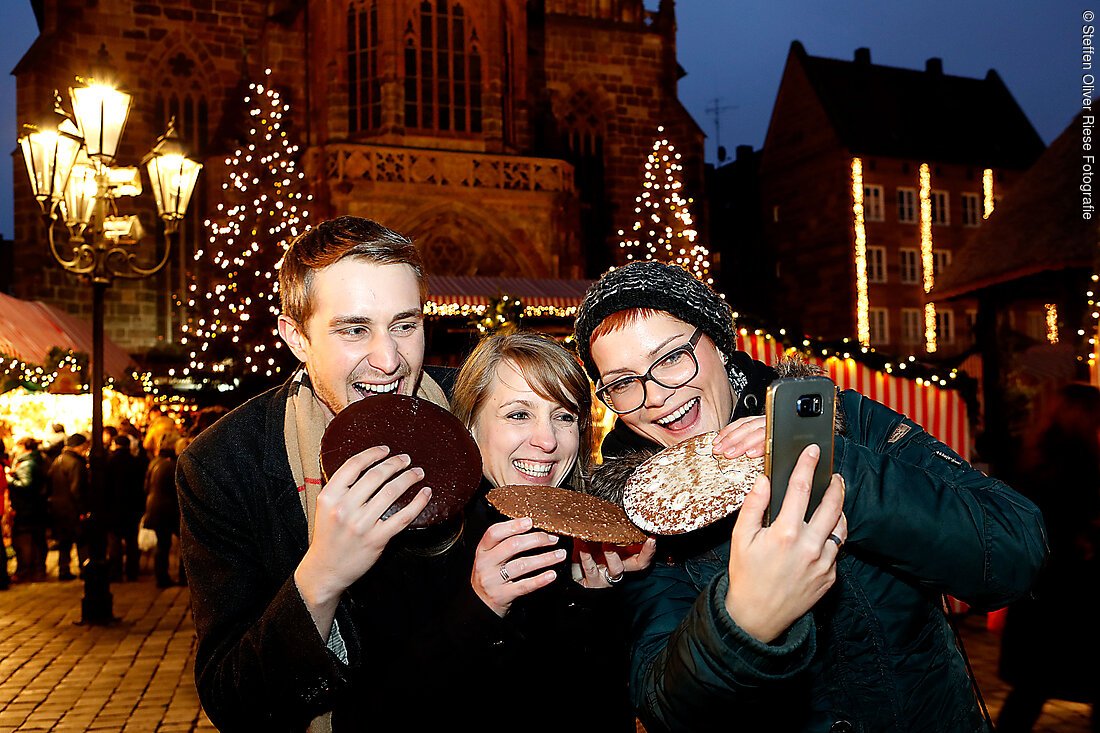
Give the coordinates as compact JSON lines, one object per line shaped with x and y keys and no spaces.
{"x":1036,"y":229}
{"x":29,"y":329}
{"x":479,"y":290}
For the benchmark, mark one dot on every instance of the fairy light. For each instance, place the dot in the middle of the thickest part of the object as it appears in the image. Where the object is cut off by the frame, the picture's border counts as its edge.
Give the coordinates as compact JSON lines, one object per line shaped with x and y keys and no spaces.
{"x":863,"y":322}
{"x":265,"y":207}
{"x":1052,"y":322}
{"x":664,"y":229}
{"x":927,"y":259}
{"x":987,"y":192}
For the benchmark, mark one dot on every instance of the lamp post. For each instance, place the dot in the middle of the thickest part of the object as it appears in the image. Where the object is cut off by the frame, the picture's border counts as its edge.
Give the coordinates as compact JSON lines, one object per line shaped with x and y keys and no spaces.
{"x":71,"y":165}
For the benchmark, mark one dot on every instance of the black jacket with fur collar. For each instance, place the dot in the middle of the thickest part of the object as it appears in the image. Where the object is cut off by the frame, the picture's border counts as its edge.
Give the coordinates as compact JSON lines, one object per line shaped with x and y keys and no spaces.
{"x":876,"y":653}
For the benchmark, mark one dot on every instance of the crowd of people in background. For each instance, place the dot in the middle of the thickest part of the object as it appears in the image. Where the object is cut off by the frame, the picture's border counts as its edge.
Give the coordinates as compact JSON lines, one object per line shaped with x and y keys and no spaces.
{"x":46,"y":503}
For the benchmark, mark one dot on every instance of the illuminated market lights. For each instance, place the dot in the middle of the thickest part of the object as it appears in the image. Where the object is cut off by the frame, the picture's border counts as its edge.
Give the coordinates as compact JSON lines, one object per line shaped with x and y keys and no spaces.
{"x":673,"y":236}
{"x":987,"y":192}
{"x":1052,"y":322}
{"x":863,"y":323}
{"x":927,"y":257}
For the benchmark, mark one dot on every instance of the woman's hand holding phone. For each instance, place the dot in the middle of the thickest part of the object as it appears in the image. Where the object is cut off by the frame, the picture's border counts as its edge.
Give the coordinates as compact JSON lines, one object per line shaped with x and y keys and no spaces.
{"x":778,"y":572}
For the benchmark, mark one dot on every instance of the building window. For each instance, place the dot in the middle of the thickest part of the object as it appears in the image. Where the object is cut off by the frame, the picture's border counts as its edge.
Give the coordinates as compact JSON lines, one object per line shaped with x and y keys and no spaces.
{"x":941,"y":260}
{"x":912,"y":326}
{"x":876,"y":264}
{"x":910,"y":265}
{"x":907,"y":205}
{"x":872,"y":203}
{"x":940,"y":212}
{"x":879,"y":322}
{"x":945,"y":326}
{"x":364,"y":84}
{"x":971,"y":209}
{"x":442,"y":70}
{"x":971,"y":317}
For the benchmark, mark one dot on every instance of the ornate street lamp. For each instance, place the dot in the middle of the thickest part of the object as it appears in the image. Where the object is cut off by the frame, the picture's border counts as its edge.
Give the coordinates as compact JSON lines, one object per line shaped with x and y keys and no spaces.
{"x":70,"y":167}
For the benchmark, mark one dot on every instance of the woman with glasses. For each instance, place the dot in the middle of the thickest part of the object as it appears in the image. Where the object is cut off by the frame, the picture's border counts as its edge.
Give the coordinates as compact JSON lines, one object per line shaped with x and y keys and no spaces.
{"x":834,"y":624}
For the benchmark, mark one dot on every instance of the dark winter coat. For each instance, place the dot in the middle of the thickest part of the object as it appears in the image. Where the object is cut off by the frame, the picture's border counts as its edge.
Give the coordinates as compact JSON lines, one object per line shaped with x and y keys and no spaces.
{"x":424,"y":652}
{"x":27,"y":491}
{"x":125,"y":484}
{"x":876,"y":653}
{"x":162,"y":509}
{"x":68,"y":478}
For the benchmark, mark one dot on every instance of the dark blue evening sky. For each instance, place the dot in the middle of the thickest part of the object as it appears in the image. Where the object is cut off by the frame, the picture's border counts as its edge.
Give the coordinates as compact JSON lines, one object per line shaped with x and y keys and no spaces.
{"x":734,"y":51}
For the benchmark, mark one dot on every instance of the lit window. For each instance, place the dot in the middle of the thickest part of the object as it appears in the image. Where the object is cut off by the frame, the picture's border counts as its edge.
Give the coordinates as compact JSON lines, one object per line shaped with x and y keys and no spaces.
{"x":872,"y":203}
{"x":442,"y":70}
{"x":880,"y":325}
{"x":912,"y":326}
{"x":945,"y":326}
{"x":941,"y":259}
{"x":364,"y":84}
{"x":940,"y":213}
{"x":910,"y":265}
{"x":971,"y":209}
{"x":907,"y":205}
{"x":876,"y":264}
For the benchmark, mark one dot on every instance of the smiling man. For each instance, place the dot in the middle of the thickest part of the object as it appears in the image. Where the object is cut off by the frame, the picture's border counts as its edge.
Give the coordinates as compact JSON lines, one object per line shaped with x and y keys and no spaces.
{"x":270,"y":551}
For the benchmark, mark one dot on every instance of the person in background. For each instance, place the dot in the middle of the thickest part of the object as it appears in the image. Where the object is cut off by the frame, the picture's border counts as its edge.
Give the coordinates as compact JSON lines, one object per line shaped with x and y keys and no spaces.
{"x":162,"y":509}
{"x":529,"y":407}
{"x":5,"y":518}
{"x":53,"y":444}
{"x":835,"y":624}
{"x":125,"y":488}
{"x":1051,"y":640}
{"x":68,"y":490}
{"x":27,"y":487}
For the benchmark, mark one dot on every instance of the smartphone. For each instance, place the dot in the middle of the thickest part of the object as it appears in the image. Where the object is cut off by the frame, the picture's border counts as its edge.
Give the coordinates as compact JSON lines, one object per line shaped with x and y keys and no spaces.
{"x":800,"y":411}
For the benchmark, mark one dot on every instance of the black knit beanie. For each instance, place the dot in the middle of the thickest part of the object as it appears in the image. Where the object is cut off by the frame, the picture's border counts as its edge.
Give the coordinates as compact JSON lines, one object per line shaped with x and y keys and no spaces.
{"x":662,"y":287}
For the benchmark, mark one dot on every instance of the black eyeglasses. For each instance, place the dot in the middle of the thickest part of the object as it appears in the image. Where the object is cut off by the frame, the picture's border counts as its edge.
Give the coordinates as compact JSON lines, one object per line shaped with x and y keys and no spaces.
{"x":673,"y":370}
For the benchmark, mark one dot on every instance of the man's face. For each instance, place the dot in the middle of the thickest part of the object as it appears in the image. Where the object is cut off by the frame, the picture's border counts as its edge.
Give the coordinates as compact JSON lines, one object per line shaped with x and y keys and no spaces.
{"x":366,"y":333}
{"x":668,"y":416}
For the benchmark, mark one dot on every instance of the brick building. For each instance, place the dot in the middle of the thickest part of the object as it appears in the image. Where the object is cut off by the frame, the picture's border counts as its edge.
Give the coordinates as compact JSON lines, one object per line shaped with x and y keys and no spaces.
{"x":925,"y":153}
{"x":504,"y":136}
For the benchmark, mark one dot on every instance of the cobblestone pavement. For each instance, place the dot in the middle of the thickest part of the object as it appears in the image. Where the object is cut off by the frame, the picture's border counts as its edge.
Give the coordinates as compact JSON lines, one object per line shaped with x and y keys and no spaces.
{"x":138,"y":673}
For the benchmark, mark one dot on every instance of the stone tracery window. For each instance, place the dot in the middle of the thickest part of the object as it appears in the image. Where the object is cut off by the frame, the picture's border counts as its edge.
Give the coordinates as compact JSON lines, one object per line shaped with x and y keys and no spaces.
{"x":442,"y":69}
{"x":364,"y":84}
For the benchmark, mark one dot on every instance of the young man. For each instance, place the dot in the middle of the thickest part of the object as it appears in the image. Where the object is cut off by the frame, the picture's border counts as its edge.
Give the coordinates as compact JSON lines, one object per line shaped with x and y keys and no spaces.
{"x":270,"y":555}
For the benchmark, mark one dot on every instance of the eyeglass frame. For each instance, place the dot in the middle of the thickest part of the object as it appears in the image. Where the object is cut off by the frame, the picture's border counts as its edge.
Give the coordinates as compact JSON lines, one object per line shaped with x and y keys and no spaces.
{"x":688,"y":348}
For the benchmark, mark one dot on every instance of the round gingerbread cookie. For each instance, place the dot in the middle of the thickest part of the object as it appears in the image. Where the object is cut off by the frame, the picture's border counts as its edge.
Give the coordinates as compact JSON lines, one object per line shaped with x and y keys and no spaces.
{"x":434,"y":439}
{"x":686,"y":486}
{"x":567,"y":512}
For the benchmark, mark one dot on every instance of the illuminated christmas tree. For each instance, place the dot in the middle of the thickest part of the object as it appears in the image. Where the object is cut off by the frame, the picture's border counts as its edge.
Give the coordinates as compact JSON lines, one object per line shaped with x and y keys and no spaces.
{"x":233,"y":300}
{"x":664,"y":229}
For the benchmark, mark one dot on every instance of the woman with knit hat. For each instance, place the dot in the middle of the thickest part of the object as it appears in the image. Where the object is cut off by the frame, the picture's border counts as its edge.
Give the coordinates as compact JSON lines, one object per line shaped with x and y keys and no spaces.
{"x":834,"y":624}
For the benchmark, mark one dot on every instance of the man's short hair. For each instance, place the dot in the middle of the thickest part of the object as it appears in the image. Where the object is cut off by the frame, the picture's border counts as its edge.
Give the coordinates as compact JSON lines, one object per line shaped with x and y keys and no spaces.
{"x":328,"y":243}
{"x":75,"y":440}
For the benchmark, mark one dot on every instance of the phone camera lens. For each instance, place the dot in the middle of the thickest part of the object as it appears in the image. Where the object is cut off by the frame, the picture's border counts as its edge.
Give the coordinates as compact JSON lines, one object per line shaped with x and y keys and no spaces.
{"x":808,"y":405}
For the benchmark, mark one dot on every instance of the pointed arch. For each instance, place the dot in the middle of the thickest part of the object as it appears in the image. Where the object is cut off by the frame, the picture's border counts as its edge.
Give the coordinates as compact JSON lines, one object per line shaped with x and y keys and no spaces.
{"x":457,"y":240}
{"x":442,"y":69}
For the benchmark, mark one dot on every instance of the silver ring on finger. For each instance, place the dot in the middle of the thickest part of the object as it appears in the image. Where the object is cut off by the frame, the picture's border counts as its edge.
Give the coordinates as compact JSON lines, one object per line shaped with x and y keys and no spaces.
{"x":504,"y":572}
{"x":611,"y":578}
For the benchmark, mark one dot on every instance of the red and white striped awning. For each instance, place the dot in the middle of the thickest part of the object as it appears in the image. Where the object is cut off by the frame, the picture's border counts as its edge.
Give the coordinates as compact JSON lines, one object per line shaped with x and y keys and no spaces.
{"x":940,"y":411}
{"x":480,"y":290}
{"x":30,"y":329}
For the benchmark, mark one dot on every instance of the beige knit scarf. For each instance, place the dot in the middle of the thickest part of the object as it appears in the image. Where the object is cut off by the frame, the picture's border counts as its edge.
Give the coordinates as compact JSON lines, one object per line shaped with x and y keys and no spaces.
{"x":304,"y":424}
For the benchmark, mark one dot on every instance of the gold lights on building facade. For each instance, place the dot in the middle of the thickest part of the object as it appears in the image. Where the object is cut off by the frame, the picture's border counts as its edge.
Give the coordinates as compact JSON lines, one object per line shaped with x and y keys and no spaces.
{"x":863,"y":323}
{"x":927,"y":259}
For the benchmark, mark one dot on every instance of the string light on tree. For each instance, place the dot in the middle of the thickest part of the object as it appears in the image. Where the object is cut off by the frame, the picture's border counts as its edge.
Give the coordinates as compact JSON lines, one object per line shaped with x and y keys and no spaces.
{"x":233,"y":301}
{"x":663,"y":227}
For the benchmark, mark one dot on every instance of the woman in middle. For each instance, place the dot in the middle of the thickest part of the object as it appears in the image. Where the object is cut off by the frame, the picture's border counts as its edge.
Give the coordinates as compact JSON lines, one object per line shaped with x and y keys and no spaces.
{"x":562,"y":659}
